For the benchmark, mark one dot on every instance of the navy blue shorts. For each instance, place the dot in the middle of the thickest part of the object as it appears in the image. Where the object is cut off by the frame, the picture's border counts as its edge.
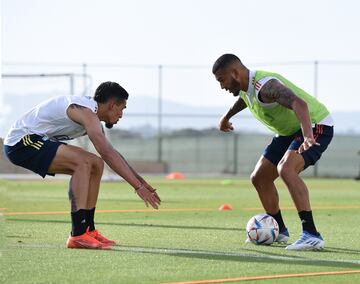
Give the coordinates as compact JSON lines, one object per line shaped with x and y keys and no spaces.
{"x":33,"y":153}
{"x":323,"y":134}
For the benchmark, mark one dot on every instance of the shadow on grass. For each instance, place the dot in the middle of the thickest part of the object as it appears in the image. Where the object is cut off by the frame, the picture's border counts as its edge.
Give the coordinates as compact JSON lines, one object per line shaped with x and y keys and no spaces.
{"x":250,"y":254}
{"x":270,"y":253}
{"x":341,"y":250}
{"x":240,"y":256}
{"x":329,"y":250}
{"x":132,"y":225}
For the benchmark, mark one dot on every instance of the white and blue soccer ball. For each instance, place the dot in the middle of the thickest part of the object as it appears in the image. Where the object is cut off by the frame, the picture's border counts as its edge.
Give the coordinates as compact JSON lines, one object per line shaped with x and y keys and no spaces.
{"x":262,"y":229}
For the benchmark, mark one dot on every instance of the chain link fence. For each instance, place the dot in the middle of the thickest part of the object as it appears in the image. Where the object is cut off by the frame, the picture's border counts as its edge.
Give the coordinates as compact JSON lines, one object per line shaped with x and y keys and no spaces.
{"x":166,"y":99}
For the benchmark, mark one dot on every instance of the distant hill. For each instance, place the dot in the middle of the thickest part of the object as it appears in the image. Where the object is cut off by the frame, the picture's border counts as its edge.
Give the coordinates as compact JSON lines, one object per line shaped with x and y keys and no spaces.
{"x":208,"y":117}
{"x":141,"y":115}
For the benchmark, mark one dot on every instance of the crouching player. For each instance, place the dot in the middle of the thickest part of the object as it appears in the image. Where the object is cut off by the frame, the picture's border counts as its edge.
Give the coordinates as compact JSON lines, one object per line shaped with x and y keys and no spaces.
{"x":33,"y":142}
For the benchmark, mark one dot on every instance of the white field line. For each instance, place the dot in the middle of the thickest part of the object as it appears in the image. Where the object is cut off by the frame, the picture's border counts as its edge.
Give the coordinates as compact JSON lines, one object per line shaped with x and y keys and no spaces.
{"x":189,"y":252}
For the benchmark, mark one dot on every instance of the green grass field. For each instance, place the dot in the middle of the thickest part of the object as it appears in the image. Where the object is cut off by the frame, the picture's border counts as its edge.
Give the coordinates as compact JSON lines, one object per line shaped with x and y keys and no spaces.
{"x":187,"y":240}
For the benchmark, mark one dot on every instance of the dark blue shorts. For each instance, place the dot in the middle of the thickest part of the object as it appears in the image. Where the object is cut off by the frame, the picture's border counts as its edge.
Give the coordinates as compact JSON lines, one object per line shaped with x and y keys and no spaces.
{"x":280,"y":144}
{"x":33,"y":153}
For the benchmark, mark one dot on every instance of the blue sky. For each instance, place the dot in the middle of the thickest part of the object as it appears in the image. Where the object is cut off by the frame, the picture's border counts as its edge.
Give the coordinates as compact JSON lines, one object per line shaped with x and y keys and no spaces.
{"x":190,"y":32}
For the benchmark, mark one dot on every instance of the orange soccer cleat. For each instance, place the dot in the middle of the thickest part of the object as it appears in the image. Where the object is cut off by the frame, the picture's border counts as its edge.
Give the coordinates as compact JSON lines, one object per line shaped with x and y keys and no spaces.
{"x":85,"y":241}
{"x":99,"y":237}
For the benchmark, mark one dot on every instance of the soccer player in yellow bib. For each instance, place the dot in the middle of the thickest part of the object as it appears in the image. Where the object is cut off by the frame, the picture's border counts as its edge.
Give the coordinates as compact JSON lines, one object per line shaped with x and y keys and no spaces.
{"x":303,"y":129}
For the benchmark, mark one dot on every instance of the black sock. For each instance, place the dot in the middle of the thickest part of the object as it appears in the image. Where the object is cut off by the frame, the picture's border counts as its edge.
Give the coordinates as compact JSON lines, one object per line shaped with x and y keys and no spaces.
{"x":89,"y":217}
{"x":307,"y":222}
{"x":78,"y":222}
{"x":279,"y":220}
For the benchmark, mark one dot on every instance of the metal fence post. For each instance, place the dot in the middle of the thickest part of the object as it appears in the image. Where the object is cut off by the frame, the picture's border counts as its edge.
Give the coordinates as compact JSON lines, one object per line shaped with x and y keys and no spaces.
{"x":160,"y":67}
{"x":316,"y":71}
{"x":72,"y":85}
{"x":236,"y":164}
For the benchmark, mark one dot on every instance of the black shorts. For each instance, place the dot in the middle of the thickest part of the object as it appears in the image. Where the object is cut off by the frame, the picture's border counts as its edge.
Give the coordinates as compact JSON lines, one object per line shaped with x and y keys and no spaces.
{"x":323,"y":134}
{"x":33,"y":153}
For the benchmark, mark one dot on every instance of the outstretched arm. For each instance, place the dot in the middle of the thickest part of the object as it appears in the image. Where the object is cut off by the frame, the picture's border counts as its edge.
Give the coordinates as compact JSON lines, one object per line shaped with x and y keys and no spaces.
{"x":225,"y":124}
{"x":274,"y":91}
{"x":116,"y":162}
{"x":148,"y":186}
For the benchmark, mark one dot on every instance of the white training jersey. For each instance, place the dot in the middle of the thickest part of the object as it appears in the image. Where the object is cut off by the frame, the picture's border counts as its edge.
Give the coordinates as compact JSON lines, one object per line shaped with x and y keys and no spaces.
{"x":50,"y":120}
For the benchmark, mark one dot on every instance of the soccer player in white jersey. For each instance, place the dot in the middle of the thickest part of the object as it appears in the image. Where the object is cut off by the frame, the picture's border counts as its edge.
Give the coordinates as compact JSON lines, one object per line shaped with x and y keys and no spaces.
{"x":34,"y":142}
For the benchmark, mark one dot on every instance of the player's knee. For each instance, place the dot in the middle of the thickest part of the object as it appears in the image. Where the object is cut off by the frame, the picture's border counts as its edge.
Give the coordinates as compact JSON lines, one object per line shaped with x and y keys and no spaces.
{"x":255,"y":178}
{"x":85,"y":162}
{"x":283,"y":169}
{"x":97,"y":165}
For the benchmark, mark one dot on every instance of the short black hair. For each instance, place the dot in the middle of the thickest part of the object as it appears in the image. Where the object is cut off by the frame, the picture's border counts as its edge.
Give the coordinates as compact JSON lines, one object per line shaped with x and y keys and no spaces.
{"x":224,"y":61}
{"x":108,"y":90}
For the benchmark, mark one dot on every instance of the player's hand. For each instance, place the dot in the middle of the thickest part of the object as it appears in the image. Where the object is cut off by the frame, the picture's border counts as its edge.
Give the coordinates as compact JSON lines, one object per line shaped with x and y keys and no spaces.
{"x":225,"y":125}
{"x":149,"y":195}
{"x":150,"y":188}
{"x":308,"y":142}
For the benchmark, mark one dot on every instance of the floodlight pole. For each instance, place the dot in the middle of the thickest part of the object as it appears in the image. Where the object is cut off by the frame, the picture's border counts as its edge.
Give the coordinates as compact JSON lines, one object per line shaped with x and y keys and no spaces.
{"x":160,"y":68}
{"x":316,"y":73}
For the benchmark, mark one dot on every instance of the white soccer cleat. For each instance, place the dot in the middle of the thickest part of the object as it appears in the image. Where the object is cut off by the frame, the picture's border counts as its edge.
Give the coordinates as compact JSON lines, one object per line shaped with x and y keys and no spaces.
{"x":307,"y":241}
{"x":283,"y":237}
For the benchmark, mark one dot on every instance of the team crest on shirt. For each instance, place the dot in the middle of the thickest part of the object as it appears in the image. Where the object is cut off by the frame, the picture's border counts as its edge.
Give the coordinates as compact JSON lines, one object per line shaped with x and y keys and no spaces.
{"x":257,"y":85}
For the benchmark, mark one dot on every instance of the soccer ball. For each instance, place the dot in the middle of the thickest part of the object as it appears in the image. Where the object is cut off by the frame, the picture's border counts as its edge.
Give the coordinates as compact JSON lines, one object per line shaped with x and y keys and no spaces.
{"x":262,"y":229}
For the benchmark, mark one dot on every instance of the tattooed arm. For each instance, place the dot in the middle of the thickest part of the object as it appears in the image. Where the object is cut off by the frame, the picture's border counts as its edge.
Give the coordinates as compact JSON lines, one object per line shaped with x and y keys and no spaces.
{"x":224,"y":124}
{"x":274,"y":91}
